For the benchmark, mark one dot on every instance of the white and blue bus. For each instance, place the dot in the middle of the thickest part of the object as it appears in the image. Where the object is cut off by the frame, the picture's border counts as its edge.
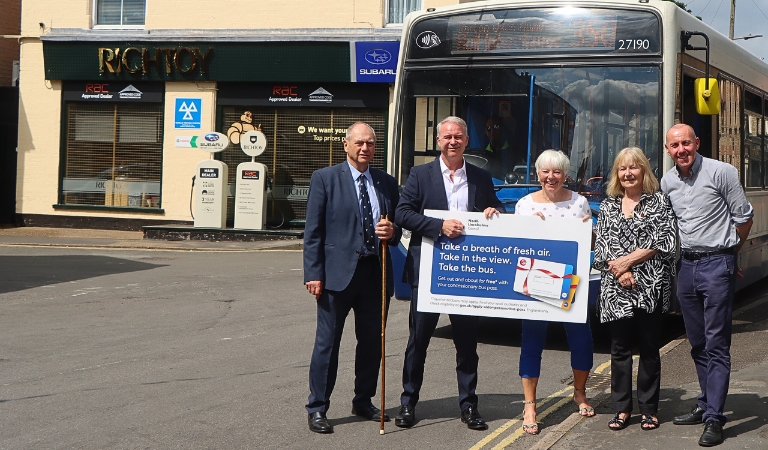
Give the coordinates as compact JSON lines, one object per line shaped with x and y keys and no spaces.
{"x":585,"y":77}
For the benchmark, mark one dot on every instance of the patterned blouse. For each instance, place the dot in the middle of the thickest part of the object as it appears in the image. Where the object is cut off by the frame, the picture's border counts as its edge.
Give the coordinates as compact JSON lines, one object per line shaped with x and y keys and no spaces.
{"x":651,"y":227}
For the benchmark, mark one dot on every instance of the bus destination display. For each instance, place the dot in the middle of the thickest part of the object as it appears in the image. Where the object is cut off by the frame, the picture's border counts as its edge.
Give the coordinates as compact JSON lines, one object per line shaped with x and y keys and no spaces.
{"x":545,"y":31}
{"x":583,"y":34}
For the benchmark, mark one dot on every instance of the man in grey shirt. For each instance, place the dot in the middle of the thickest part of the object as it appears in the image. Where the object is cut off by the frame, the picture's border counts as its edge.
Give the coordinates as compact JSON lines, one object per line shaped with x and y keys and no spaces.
{"x":714,"y":218}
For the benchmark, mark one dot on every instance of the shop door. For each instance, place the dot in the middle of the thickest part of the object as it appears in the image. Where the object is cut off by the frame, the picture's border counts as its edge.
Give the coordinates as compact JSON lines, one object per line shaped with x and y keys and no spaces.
{"x":9,"y":126}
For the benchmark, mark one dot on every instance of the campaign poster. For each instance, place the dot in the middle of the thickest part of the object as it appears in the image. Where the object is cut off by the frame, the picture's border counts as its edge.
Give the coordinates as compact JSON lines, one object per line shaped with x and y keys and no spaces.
{"x":518,"y":267}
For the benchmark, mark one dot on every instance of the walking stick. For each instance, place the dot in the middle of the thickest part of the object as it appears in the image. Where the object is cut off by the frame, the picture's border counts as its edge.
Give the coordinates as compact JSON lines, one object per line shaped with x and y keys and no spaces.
{"x":383,"y":322}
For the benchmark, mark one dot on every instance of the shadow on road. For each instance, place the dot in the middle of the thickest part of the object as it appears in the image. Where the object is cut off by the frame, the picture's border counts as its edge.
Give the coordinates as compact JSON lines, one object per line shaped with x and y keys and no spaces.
{"x":27,"y":272}
{"x":507,"y":332}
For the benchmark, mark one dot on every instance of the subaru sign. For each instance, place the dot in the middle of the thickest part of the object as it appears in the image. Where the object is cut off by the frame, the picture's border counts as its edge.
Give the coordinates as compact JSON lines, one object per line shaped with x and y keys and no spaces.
{"x":375,"y":62}
{"x":378,"y":56}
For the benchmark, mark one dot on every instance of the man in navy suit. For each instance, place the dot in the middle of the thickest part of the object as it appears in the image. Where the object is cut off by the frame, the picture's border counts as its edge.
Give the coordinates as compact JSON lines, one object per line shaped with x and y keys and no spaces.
{"x":447,"y":183}
{"x":342,"y":269}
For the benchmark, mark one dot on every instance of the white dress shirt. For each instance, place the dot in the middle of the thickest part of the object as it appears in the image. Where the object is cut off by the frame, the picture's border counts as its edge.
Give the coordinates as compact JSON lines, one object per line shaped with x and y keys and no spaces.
{"x":456,"y":190}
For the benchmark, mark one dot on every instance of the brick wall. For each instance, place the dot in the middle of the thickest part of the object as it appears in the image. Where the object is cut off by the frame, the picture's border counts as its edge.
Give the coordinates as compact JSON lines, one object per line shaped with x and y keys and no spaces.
{"x":244,"y":14}
{"x":214,"y":14}
{"x":10,"y":24}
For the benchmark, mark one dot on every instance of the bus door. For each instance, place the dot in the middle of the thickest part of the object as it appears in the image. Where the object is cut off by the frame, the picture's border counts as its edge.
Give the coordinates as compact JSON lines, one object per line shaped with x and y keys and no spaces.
{"x":510,"y":129}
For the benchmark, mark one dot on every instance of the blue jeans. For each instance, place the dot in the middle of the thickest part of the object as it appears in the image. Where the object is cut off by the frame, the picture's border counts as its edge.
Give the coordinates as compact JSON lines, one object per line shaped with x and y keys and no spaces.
{"x":535,"y":336}
{"x":705,"y":289}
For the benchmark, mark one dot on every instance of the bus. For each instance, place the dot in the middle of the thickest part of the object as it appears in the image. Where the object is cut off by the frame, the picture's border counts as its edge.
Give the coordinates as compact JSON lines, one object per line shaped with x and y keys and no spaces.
{"x":587,"y":78}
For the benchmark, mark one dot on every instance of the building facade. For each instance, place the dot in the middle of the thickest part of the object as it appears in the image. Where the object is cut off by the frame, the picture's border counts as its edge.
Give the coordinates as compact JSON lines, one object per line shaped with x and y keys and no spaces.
{"x":115,"y":93}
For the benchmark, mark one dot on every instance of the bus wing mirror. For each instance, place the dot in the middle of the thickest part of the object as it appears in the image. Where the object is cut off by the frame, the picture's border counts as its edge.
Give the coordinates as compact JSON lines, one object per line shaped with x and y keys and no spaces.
{"x":707,"y":96}
{"x":704,"y":89}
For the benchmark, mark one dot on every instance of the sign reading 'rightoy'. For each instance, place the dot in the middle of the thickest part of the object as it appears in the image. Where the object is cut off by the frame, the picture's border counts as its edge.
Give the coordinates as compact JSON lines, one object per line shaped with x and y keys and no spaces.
{"x":160,"y":60}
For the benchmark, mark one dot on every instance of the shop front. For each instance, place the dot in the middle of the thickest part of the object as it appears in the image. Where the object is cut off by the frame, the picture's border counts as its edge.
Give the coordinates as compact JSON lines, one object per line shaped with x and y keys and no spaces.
{"x":130,"y":111}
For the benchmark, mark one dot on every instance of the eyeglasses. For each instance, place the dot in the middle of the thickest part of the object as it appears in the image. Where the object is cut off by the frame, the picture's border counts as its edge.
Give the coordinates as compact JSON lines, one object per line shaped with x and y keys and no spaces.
{"x":492,"y":127}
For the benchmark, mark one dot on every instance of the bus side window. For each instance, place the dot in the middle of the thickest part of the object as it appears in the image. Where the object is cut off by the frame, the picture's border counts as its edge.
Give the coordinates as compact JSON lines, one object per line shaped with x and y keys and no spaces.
{"x":729,"y":144}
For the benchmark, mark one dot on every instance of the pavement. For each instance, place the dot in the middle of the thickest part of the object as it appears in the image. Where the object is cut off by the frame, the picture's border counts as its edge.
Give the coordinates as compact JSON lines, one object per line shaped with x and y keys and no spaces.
{"x":746,"y":406}
{"x":114,"y":239}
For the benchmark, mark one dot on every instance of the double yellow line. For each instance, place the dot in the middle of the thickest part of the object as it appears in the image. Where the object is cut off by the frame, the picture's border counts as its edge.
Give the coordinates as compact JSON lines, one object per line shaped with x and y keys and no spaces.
{"x":559,"y":398}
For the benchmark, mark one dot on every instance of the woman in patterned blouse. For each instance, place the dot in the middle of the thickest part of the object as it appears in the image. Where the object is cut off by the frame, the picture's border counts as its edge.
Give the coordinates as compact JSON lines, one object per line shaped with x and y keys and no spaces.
{"x":634,"y":252}
{"x":553,"y":200}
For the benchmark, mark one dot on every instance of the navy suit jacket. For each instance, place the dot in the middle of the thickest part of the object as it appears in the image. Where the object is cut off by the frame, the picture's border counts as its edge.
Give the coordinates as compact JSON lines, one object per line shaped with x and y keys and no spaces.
{"x":333,"y":233}
{"x":425,"y":190}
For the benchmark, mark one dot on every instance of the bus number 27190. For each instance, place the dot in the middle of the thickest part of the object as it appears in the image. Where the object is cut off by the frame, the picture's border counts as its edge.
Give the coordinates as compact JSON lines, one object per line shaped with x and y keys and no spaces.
{"x":633,"y":44}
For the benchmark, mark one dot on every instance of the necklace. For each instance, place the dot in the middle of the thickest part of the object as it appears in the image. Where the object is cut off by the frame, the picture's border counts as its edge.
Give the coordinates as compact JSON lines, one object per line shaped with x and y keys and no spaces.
{"x":628,"y":206}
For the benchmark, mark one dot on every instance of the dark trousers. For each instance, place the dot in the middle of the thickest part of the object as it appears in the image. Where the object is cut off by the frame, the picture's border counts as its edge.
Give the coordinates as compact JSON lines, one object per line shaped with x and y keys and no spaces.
{"x":705,"y":289}
{"x":363,"y":295}
{"x":643,"y":330}
{"x":422,"y":325}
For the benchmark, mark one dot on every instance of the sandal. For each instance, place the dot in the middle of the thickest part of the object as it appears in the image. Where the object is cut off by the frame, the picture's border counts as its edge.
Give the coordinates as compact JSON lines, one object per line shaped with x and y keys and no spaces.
{"x":649,"y":422}
{"x":530,"y":428}
{"x":617,"y":420}
{"x":584,"y":411}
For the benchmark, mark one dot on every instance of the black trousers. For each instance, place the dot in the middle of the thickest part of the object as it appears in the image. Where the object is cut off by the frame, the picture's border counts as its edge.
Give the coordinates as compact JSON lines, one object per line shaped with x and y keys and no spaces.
{"x":363,"y":295}
{"x":422,"y":325}
{"x":644,"y":331}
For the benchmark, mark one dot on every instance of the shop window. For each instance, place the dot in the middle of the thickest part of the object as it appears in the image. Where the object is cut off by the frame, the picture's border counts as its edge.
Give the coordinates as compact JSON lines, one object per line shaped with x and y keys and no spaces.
{"x":765,"y":143}
{"x":729,"y":148}
{"x":120,"y":12}
{"x":300,"y":141}
{"x":113,"y":154}
{"x":398,"y":9}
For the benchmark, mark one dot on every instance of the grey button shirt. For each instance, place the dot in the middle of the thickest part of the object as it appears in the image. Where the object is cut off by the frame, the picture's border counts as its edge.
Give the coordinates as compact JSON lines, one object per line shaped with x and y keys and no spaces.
{"x":708,"y":204}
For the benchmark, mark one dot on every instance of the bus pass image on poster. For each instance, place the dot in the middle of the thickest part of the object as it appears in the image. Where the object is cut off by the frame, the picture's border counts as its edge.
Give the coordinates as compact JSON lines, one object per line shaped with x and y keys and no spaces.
{"x":568,"y":302}
{"x":539,"y":278}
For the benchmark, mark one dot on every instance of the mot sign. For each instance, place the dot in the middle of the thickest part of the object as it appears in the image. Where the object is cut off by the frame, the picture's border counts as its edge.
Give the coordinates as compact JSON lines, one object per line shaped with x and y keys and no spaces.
{"x":188,"y":113}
